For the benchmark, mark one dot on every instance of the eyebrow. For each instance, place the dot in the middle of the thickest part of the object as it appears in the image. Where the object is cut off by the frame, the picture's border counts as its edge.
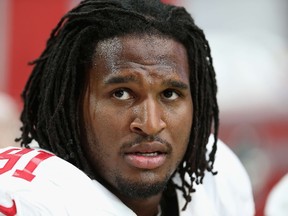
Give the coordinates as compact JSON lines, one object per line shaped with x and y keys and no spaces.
{"x":176,"y":84}
{"x":120,"y":79}
{"x":127,"y":79}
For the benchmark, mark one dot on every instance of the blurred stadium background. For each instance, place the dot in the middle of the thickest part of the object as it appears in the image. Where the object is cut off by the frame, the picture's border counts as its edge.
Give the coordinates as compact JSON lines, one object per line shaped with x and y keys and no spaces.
{"x":249,"y":41}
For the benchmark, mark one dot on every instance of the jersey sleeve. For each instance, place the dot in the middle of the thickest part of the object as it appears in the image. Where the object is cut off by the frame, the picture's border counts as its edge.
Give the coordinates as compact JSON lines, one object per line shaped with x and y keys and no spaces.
{"x":228,"y":193}
{"x":277,"y":200}
{"x":21,"y":192}
{"x":232,"y":186}
{"x":36,"y":182}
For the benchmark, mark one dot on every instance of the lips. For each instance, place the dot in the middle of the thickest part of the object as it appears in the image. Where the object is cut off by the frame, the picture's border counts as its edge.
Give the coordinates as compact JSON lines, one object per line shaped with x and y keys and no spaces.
{"x":146,"y":156}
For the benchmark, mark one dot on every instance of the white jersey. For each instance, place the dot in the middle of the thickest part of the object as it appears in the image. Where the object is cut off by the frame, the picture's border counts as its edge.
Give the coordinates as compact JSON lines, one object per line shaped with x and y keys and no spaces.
{"x":36,"y":182}
{"x":229,"y":193}
{"x":277,"y":200}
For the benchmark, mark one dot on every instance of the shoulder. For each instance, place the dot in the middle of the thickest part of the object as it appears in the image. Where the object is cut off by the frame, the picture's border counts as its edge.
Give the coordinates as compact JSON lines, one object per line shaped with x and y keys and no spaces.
{"x":232,"y":184}
{"x":277,"y":201}
{"x":36,"y":182}
{"x":229,"y":192}
{"x":21,"y":187}
{"x":229,"y":166}
{"x":32,"y":165}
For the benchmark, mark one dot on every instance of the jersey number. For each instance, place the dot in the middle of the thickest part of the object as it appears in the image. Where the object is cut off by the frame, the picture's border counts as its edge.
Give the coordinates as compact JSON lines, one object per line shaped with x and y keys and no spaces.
{"x":13,"y":156}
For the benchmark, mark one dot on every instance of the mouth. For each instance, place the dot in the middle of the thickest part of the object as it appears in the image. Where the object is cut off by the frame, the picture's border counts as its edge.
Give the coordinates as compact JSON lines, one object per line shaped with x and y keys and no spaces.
{"x":146,"y":156}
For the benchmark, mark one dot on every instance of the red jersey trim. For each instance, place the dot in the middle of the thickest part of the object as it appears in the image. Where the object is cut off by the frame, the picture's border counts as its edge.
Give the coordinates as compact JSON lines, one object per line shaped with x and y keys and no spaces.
{"x":9,"y":211}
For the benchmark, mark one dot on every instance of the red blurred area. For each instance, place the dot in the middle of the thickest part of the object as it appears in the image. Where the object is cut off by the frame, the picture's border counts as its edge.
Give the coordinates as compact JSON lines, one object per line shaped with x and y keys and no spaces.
{"x":262,"y":147}
{"x":31,"y":24}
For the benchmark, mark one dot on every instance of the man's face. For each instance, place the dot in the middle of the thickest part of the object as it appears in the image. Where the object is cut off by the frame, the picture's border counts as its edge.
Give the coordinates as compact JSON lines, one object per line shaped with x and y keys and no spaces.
{"x":137,"y":113}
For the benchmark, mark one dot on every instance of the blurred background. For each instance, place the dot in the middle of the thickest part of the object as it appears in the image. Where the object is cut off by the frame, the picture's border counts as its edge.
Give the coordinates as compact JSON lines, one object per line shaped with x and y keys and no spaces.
{"x":249,"y":41}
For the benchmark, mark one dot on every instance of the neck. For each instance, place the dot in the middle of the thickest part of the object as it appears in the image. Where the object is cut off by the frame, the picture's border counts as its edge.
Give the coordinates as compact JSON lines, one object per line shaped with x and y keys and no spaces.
{"x":143,"y":207}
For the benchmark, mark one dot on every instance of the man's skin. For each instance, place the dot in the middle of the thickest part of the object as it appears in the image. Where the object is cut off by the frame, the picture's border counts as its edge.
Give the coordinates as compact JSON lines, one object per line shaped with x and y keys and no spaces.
{"x":138,"y":115}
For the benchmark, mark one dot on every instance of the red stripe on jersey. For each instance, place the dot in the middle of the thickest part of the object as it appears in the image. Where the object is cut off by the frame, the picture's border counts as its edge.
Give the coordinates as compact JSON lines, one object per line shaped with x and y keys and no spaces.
{"x":13,"y":155}
{"x":27,"y":172}
{"x":9,"y":211}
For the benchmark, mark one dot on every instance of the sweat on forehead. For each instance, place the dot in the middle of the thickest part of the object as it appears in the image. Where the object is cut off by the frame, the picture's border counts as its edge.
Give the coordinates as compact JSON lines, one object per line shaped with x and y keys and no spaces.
{"x":109,"y":48}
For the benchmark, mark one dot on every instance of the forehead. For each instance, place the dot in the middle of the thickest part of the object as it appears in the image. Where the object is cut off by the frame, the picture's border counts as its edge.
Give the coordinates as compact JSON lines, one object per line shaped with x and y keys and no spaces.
{"x":157,"y":44}
{"x":141,"y":51}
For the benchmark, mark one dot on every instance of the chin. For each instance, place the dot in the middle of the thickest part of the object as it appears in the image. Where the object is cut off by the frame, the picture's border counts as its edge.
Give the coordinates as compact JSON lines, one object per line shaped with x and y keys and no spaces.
{"x":142,"y":189}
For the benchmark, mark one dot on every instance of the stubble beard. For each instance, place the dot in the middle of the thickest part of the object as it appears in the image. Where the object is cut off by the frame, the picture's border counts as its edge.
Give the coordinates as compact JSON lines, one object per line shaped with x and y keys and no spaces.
{"x":140,"y":190}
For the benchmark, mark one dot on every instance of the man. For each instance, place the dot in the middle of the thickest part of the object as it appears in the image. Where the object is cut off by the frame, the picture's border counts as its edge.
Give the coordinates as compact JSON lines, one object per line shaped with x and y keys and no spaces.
{"x":125,"y":96}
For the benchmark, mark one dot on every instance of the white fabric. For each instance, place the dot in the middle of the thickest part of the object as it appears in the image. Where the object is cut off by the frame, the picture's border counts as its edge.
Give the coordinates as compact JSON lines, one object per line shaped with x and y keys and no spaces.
{"x":59,"y":188}
{"x":228,"y":193}
{"x":277,"y":201}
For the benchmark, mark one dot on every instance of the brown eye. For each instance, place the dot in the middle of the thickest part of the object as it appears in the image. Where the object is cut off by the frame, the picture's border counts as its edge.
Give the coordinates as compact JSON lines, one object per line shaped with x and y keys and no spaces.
{"x":170,"y":94}
{"x":122,"y":94}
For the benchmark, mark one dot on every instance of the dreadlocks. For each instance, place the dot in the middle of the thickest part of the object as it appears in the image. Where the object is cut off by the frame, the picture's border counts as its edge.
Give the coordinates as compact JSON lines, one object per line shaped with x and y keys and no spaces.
{"x":52,"y":114}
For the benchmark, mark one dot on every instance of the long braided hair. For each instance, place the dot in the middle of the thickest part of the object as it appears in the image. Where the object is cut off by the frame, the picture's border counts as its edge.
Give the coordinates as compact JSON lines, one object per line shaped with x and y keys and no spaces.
{"x":52,"y":95}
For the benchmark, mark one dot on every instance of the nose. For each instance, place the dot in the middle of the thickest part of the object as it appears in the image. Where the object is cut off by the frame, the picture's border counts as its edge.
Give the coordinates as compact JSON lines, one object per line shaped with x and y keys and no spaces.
{"x":148,"y":120}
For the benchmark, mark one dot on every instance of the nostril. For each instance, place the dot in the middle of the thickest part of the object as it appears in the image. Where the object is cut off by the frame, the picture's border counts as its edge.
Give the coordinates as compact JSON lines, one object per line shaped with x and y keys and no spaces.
{"x":137,"y":129}
{"x":150,"y":125}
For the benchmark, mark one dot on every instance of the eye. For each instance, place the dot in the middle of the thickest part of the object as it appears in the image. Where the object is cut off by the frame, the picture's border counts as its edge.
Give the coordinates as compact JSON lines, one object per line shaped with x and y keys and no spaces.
{"x":170,"y":94}
{"x":122,"y":94}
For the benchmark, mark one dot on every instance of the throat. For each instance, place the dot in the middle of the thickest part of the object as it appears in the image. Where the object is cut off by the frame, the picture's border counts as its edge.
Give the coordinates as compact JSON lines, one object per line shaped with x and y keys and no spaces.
{"x":169,"y":203}
{"x":144,"y":207}
{"x":164,"y":204}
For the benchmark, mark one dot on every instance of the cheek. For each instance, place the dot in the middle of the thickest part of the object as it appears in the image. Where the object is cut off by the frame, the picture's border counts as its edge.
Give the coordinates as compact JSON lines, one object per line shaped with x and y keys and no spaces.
{"x":106,"y":122}
{"x":180,"y":125}
{"x":100,"y":138}
{"x":183,"y":115}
